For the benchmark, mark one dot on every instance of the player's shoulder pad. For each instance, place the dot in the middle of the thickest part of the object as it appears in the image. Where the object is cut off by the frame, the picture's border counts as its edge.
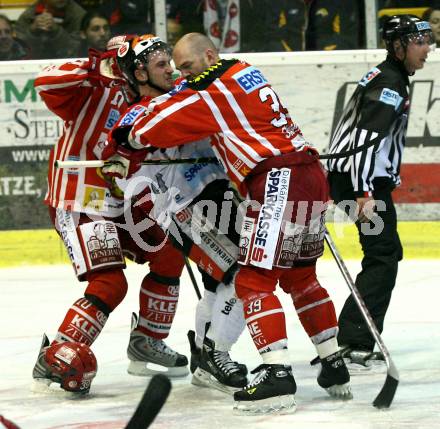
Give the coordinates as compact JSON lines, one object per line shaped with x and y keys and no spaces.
{"x":203,"y":80}
{"x":131,"y":115}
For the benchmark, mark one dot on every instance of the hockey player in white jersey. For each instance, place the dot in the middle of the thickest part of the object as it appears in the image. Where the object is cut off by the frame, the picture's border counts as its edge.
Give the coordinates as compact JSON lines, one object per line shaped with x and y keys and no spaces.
{"x":178,"y":206}
{"x":176,"y":193}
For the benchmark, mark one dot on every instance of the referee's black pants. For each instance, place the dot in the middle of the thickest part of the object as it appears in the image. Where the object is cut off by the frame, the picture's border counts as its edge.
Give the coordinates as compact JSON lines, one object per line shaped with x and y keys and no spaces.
{"x":382,"y":252}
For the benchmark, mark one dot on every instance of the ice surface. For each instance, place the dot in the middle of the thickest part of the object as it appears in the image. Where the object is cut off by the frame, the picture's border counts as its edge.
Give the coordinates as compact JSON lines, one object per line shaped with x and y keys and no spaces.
{"x":35,"y":299}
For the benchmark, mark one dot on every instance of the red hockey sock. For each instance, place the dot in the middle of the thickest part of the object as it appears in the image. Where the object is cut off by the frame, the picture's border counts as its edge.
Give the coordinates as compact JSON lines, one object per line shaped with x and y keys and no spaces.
{"x":313,"y":305}
{"x":158,"y":304}
{"x":317,"y":315}
{"x":265,"y":320}
{"x":109,"y":286}
{"x":83,"y":323}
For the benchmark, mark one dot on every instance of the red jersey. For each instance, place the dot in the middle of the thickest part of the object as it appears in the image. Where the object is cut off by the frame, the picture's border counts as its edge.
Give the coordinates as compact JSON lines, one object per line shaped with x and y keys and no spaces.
{"x":231,"y":101}
{"x":88,"y":113}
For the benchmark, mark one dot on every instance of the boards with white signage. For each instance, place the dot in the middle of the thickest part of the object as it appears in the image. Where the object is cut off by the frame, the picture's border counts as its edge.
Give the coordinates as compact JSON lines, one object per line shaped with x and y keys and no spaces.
{"x":313,"y":85}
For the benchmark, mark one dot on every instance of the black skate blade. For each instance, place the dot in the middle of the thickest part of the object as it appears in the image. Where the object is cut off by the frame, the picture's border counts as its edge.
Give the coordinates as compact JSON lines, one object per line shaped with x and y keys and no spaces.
{"x":386,"y":395}
{"x":151,"y":403}
{"x":192,"y":341}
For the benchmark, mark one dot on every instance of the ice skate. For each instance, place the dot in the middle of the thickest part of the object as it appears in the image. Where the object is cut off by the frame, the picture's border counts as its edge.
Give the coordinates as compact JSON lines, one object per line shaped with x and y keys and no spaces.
{"x":360,"y":362}
{"x":334,"y":377}
{"x":216,"y":369}
{"x":272,"y":391}
{"x":149,"y":356}
{"x":196,"y":354}
{"x":40,"y":375}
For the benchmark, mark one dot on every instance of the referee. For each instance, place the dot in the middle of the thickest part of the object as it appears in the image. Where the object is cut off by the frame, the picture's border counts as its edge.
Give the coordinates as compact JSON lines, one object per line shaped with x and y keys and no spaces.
{"x":375,"y":118}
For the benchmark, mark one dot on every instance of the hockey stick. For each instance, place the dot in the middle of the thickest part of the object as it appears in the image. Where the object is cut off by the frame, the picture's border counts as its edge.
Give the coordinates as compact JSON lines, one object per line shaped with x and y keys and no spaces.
{"x":209,"y":160}
{"x":152,"y":401}
{"x":386,"y":395}
{"x":193,"y":277}
{"x":100,"y":163}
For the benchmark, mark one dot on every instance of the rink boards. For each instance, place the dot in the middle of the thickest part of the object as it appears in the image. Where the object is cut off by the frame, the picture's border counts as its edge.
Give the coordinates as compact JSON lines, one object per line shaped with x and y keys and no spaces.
{"x":419,"y":240}
{"x":314,"y":85}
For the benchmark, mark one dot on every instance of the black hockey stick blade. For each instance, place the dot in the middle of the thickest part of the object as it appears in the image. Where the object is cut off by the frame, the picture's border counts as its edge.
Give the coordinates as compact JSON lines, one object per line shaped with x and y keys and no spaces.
{"x":386,"y":395}
{"x":152,"y":401}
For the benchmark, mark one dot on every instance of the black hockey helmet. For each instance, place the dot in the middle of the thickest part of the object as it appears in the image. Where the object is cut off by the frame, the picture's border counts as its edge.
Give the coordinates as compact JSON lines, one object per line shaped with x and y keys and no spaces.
{"x":406,"y":28}
{"x":136,"y":53}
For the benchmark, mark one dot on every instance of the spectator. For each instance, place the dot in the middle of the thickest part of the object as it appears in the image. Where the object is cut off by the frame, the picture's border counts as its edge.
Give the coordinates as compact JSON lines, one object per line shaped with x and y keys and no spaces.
{"x":95,"y":33}
{"x":10,"y":47}
{"x":433,"y":17}
{"x":129,"y":16}
{"x":51,"y":28}
{"x":241,"y":26}
{"x":334,"y":24}
{"x":183,"y":16}
{"x":284,"y":27}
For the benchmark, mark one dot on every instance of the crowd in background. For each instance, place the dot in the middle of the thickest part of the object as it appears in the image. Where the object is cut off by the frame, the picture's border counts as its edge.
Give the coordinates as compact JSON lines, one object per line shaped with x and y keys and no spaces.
{"x":68,"y":28}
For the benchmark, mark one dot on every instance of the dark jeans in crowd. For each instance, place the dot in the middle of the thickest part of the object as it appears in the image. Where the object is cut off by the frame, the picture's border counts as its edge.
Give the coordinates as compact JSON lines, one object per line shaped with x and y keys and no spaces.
{"x":382,"y":252}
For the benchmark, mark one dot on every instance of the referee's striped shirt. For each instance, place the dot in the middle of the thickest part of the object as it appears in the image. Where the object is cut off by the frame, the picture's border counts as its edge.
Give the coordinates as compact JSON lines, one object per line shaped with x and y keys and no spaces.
{"x":375,"y":117}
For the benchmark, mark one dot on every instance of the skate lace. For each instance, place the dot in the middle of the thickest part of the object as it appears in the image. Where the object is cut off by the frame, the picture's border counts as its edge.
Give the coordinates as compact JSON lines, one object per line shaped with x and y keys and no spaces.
{"x":160,"y":346}
{"x":225,"y":363}
{"x":262,"y":372}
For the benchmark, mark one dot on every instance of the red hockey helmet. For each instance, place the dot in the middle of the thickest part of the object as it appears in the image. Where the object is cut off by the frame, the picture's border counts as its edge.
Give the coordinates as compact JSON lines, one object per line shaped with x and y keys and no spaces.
{"x":73,"y":365}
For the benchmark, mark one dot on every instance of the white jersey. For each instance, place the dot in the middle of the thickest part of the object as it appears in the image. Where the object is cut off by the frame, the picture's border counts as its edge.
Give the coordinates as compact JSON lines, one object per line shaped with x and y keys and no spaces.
{"x":174,"y":186}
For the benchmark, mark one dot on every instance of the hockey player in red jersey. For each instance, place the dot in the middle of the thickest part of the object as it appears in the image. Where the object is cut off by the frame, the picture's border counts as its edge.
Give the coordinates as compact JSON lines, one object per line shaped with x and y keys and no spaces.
{"x":90,"y":219}
{"x":272,"y":165}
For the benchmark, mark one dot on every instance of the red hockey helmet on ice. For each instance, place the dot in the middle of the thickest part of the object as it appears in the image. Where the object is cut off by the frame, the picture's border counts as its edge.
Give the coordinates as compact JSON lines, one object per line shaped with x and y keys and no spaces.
{"x":73,"y":365}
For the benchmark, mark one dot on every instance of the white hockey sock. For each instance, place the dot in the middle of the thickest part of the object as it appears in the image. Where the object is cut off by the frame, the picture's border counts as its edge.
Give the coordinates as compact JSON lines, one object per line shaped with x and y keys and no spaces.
{"x":278,"y":357}
{"x":327,"y":347}
{"x":203,"y":315}
{"x":227,"y":321}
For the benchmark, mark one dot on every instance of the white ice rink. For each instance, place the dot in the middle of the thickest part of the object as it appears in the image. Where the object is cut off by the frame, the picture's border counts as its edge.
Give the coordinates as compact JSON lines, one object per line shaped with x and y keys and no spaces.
{"x":35,"y":299}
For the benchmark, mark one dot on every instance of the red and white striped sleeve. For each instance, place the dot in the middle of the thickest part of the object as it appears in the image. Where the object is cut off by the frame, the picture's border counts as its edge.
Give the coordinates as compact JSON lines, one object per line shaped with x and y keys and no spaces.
{"x":174,"y":120}
{"x":65,"y":88}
